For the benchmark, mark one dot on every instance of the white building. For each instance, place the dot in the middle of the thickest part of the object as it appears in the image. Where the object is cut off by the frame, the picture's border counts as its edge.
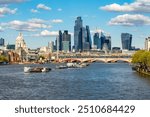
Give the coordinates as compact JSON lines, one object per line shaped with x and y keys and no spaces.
{"x":147,"y":44}
{"x":51,"y":46}
{"x":21,"y":48}
{"x":20,"y":43}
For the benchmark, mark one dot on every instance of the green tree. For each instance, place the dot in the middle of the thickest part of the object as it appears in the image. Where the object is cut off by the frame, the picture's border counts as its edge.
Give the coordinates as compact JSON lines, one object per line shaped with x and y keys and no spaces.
{"x":3,"y":58}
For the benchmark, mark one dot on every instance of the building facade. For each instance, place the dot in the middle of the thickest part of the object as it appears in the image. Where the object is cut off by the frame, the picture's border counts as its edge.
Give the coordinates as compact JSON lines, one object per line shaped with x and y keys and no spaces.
{"x":97,"y":41}
{"x":21,"y":47}
{"x":147,"y":44}
{"x":66,"y":41}
{"x":126,"y":40}
{"x":2,"y":42}
{"x":51,"y":46}
{"x":77,"y":29}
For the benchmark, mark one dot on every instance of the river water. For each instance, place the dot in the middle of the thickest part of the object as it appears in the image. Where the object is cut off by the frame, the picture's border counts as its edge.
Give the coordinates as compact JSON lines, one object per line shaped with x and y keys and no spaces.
{"x":99,"y":81}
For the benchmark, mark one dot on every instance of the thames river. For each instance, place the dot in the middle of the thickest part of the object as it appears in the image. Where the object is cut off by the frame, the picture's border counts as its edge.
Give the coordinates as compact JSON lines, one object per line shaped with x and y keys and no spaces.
{"x":99,"y":81}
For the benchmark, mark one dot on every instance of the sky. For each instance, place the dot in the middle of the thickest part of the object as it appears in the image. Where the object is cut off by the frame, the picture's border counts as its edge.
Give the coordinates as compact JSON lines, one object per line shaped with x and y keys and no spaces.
{"x":40,"y":20}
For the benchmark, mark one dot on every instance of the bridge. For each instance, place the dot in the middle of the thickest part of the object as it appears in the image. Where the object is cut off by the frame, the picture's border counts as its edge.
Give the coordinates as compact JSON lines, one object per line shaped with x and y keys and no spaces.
{"x":108,"y":59}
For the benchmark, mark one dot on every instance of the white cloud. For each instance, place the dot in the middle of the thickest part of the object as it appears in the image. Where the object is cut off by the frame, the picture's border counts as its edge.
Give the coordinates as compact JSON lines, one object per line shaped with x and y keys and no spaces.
{"x":10,"y":1}
{"x":98,"y":30}
{"x":57,"y":21}
{"x":49,"y":33}
{"x":59,"y":9}
{"x":1,"y":29}
{"x":137,"y":6}
{"x":34,"y":11}
{"x":130,"y":20}
{"x":5,"y":10}
{"x":30,"y":25}
{"x":43,"y":6}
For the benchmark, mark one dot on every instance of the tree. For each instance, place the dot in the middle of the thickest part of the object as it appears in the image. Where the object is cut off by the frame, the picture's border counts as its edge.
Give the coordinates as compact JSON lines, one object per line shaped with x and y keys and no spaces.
{"x":142,"y":58}
{"x":3,"y":58}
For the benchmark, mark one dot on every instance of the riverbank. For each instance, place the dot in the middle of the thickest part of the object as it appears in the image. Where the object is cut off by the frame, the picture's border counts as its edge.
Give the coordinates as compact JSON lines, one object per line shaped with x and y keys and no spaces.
{"x":142,"y":71}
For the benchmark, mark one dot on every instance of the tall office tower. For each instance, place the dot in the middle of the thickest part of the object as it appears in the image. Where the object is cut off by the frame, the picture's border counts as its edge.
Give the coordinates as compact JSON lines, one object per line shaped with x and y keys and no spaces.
{"x":97,"y":41}
{"x":84,"y":45}
{"x":66,"y":41}
{"x":2,"y":42}
{"x":102,"y":38}
{"x":60,"y":40}
{"x":126,"y":40}
{"x":108,"y":42}
{"x":51,"y":46}
{"x":77,"y":27}
{"x":147,"y":44}
{"x":89,"y":37}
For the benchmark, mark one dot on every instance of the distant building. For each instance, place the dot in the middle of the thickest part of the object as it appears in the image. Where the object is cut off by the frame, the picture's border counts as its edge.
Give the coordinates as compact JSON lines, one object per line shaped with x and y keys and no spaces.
{"x":66,"y":41}
{"x":108,"y":42}
{"x":116,"y":50}
{"x":88,"y":40}
{"x":147,"y":44}
{"x":21,"y":48}
{"x":11,"y":46}
{"x":82,"y":42}
{"x":60,"y":39}
{"x":126,"y":40}
{"x":2,"y":42}
{"x":77,"y":29}
{"x":51,"y":46}
{"x":97,"y":41}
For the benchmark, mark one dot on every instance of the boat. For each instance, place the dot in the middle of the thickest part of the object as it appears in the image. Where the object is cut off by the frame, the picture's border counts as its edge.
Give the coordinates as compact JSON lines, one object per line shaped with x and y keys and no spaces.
{"x":61,"y":67}
{"x":72,"y":65}
{"x":36,"y":69}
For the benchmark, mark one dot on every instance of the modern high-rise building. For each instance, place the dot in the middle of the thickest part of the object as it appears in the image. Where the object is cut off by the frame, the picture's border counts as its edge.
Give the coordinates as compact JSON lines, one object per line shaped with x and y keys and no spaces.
{"x":66,"y":41}
{"x":103,"y":40}
{"x":89,"y":37}
{"x":147,"y":44}
{"x":83,"y":44}
{"x":108,"y":42}
{"x":77,"y":28}
{"x":2,"y":42}
{"x":126,"y":40}
{"x":60,"y":40}
{"x":97,"y":41}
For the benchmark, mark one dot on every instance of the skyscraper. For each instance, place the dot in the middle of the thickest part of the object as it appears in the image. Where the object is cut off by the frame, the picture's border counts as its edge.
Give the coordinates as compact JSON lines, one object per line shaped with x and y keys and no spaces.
{"x":77,"y":27}
{"x":97,"y":40}
{"x":89,"y":37}
{"x":66,"y":41}
{"x":108,"y":42}
{"x":60,"y":40}
{"x":2,"y":42}
{"x":126,"y":40}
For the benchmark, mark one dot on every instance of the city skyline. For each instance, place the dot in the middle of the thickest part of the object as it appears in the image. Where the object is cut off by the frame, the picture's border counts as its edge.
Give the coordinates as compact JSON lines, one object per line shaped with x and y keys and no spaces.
{"x":40,"y":21}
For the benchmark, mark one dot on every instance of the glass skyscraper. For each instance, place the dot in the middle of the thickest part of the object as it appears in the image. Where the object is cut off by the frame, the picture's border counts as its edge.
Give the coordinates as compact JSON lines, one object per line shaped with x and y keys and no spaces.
{"x":66,"y":41}
{"x":89,"y":37}
{"x":126,"y":40}
{"x":2,"y":42}
{"x":60,"y":40}
{"x":77,"y":28}
{"x":97,"y":41}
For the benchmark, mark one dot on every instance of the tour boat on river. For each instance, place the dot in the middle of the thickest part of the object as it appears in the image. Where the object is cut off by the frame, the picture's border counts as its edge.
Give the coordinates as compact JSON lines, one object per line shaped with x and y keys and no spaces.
{"x":36,"y":69}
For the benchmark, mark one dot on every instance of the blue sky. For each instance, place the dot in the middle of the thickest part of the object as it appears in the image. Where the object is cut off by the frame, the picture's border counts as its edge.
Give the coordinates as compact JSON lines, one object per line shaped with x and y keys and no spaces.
{"x":40,"y":20}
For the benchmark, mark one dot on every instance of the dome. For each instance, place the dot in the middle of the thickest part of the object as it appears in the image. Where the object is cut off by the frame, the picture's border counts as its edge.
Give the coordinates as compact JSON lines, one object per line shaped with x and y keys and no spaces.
{"x":20,"y":37}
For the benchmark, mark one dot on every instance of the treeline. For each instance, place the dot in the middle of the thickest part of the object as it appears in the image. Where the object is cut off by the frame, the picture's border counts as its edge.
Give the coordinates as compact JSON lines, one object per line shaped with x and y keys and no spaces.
{"x":3,"y":58}
{"x":141,"y":60}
